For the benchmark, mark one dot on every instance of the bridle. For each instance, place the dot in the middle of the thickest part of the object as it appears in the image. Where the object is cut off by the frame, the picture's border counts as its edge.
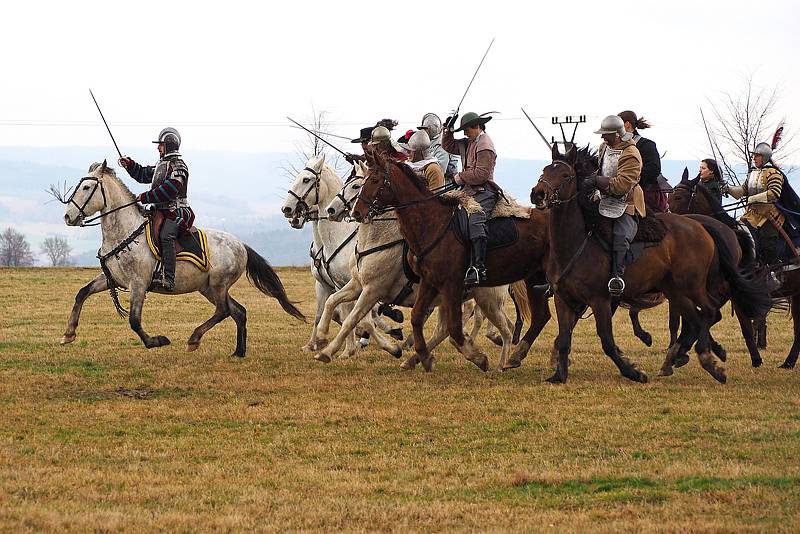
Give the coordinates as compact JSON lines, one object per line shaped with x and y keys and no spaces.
{"x":71,"y":200}
{"x":555,"y":191}
{"x":348,"y":207}
{"x":302,"y":208}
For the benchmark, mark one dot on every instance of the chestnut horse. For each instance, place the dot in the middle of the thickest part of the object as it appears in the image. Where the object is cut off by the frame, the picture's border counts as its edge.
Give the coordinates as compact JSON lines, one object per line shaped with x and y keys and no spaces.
{"x":440,"y":258}
{"x":689,"y":265}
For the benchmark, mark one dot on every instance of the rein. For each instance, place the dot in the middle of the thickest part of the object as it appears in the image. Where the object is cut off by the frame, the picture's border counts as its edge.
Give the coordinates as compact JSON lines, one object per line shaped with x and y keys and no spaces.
{"x":123,"y":246}
{"x":301,"y":200}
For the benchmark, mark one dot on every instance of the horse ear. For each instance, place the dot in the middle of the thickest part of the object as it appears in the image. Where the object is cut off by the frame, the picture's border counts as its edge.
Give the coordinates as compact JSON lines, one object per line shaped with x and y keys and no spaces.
{"x":685,"y":176}
{"x":103,"y":167}
{"x":555,"y":153}
{"x":571,"y":155}
{"x":317,"y":163}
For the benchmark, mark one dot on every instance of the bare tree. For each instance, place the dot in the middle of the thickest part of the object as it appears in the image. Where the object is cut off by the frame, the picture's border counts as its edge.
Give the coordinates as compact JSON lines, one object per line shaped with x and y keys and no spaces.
{"x":58,"y":250}
{"x":310,"y":146}
{"x":743,"y":119}
{"x":14,"y":249}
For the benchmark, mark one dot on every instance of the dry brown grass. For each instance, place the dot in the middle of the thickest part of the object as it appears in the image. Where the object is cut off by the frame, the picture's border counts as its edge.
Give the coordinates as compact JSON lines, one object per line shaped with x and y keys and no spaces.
{"x":105,"y":435}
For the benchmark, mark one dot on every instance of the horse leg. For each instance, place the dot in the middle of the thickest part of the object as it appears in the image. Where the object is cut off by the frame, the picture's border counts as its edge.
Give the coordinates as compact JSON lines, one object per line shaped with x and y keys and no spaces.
{"x":677,"y":356}
{"x":239,"y":315}
{"x":439,"y":335}
{"x":426,"y":294}
{"x":322,"y":293}
{"x":362,"y":307}
{"x":384,"y":341}
{"x":567,"y":318}
{"x":717,"y":347}
{"x":746,"y":325}
{"x":518,"y":322}
{"x":638,"y":331}
{"x":708,"y":316}
{"x":540,"y":314}
{"x":791,"y":359}
{"x":348,"y":293}
{"x":674,"y":325}
{"x":219,"y":298}
{"x":492,"y":307}
{"x":603,"y":324}
{"x":95,"y":286}
{"x":761,"y":328}
{"x":138,"y":291}
{"x":452,"y":313}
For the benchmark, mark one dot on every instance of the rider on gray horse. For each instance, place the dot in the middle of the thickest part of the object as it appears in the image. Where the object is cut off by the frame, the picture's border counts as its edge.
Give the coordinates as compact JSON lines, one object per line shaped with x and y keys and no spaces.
{"x":622,"y":198}
{"x":169,"y":178}
{"x":478,"y":157}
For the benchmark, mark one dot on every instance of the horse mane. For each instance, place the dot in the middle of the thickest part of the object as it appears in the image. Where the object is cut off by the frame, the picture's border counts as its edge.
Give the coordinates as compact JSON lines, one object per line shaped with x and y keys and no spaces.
{"x":421,"y":186}
{"x":113,"y":174}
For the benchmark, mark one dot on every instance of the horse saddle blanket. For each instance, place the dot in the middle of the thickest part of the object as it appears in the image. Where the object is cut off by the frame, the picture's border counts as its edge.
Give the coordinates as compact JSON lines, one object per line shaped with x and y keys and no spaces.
{"x":501,"y":231}
{"x":190,"y":246}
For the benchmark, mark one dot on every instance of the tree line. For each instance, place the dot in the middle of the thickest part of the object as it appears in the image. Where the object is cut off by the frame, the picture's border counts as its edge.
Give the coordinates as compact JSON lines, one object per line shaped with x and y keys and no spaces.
{"x":15,"y":251}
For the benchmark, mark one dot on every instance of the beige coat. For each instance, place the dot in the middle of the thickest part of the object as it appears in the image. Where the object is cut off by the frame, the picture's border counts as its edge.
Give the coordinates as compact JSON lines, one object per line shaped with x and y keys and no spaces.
{"x":626,"y":183}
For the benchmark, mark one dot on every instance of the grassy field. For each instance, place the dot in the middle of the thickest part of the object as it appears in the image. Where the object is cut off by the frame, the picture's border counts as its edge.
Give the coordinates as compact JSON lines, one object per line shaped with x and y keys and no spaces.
{"x":103,"y":435}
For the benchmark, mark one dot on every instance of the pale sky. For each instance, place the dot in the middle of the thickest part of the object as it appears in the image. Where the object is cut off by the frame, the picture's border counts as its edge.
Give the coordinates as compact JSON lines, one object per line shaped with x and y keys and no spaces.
{"x":227,"y":73}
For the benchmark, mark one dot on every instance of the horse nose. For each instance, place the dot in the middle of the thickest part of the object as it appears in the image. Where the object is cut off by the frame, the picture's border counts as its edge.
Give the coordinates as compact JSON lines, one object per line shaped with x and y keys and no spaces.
{"x":331,"y":211}
{"x":356,"y":215}
{"x":287,"y":210}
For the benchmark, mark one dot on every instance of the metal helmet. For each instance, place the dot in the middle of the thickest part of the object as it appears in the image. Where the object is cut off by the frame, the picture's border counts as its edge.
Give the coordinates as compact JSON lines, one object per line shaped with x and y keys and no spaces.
{"x":765,"y":150}
{"x":432,"y":123}
{"x":614,"y":124}
{"x":379,"y":135}
{"x":171,"y":138}
{"x":420,"y":143}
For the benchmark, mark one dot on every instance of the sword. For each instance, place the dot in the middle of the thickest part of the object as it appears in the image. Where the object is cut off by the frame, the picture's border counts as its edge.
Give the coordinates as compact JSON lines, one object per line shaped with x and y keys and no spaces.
{"x":104,"y":122}
{"x":449,"y":124}
{"x":549,"y":146}
{"x":340,"y":151}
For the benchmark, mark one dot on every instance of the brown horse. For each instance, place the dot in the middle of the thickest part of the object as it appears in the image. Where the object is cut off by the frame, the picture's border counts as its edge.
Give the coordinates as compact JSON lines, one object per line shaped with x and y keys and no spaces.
{"x":688,"y":265}
{"x":439,"y":255}
{"x":690,"y":196}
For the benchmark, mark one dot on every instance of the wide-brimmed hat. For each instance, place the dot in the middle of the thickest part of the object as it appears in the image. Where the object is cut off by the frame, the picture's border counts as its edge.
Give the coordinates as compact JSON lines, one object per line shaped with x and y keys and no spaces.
{"x":364,"y":136}
{"x":473,"y":119}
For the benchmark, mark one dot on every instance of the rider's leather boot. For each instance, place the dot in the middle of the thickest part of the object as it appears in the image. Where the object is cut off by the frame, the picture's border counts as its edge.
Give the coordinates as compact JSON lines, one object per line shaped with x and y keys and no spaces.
{"x":617,"y":285}
{"x":476,"y":273}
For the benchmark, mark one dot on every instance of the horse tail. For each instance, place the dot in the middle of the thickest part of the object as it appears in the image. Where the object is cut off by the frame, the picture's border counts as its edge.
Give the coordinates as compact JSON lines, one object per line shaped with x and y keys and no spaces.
{"x":266,"y":280}
{"x":749,"y":291}
{"x":747,"y":245}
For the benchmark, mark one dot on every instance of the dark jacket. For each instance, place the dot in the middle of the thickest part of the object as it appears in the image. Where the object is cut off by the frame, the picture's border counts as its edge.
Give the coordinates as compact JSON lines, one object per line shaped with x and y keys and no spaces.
{"x":651,"y":162}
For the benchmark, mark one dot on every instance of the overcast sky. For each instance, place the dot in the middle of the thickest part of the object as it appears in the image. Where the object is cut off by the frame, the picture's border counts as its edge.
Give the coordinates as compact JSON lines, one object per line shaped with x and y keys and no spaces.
{"x":227,"y":73}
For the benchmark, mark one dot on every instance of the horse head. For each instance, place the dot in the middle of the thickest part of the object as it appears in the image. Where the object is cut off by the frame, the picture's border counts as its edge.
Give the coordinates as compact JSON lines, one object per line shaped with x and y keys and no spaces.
{"x":342,"y":203}
{"x":311,"y":185}
{"x":557,"y":182}
{"x":376,"y":193}
{"x":88,"y":197}
{"x":683,"y":198}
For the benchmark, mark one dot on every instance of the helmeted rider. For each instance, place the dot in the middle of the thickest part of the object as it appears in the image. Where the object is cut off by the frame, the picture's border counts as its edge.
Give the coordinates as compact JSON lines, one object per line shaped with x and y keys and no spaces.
{"x":381,"y":140}
{"x":169,"y":178}
{"x":764,"y":188}
{"x":423,"y":161}
{"x":432,"y":124}
{"x":618,"y":180}
{"x":478,"y":158}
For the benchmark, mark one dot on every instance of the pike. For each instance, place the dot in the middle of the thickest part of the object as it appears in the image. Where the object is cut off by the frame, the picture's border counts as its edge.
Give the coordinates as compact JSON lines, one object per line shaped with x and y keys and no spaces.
{"x":452,"y":119}
{"x":713,"y":151}
{"x":549,"y":146}
{"x":320,"y":132}
{"x":340,"y":151}
{"x":104,"y":122}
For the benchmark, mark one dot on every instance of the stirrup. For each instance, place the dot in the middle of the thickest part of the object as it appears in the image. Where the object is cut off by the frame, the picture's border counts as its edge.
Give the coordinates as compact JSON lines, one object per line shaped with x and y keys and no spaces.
{"x":472,"y":277}
{"x":616,"y":286}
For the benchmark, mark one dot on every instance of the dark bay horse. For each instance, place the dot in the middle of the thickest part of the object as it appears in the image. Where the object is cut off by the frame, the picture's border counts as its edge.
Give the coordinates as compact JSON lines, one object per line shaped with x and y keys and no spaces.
{"x":690,"y":196}
{"x":689,"y":265}
{"x":440,"y":257}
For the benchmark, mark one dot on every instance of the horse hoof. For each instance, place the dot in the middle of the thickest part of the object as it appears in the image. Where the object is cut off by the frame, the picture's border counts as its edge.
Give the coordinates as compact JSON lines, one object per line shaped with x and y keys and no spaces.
{"x":786,"y":365}
{"x":408,"y":365}
{"x":666,"y":371}
{"x":191,"y":347}
{"x":681,"y":360}
{"x":324,"y":358}
{"x":396,"y":333}
{"x":757,"y":362}
{"x":496,"y":339}
{"x":719,"y":374}
{"x":512,"y":364}
{"x":480,"y":361}
{"x":427,"y":364}
{"x":397,"y":352}
{"x":555,"y":379}
{"x":157,"y":341}
{"x":67,"y":339}
{"x":238,"y":354}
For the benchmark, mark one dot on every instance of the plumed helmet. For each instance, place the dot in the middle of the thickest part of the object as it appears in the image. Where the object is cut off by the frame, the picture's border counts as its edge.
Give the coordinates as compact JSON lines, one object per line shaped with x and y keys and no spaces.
{"x":171,"y":138}
{"x":432,"y":123}
{"x":614,"y":124}
{"x":419,"y":141}
{"x":379,"y":135}
{"x":765,"y":151}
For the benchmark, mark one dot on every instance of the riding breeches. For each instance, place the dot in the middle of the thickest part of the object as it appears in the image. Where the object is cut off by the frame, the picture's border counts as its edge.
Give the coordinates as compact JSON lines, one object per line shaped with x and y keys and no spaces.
{"x":169,"y":233}
{"x":477,"y":221}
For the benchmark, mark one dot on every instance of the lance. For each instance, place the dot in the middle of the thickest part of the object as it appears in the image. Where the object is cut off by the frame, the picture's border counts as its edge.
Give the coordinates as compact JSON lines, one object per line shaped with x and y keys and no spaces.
{"x":549,"y":146}
{"x":449,"y":123}
{"x":729,"y":172}
{"x":320,"y":132}
{"x":340,"y":151}
{"x":104,"y":122}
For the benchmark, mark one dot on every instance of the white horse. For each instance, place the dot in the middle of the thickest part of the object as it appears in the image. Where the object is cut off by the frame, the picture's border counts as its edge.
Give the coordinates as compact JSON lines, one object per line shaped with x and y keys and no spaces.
{"x":128,"y":263}
{"x":334,"y":242}
{"x":378,"y":275}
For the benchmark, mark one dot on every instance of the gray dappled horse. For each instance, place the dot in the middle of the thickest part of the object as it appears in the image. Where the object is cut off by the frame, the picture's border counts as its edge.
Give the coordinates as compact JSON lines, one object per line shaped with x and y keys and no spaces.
{"x":128,"y":263}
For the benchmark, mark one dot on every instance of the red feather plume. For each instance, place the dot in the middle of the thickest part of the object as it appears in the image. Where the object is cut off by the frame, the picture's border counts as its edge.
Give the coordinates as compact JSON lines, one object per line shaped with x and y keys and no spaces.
{"x":776,"y":138}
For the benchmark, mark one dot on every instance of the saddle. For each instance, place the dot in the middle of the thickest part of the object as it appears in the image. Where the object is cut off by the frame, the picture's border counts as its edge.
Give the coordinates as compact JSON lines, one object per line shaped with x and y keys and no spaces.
{"x":500,"y":231}
{"x":651,"y":230}
{"x":190,"y":246}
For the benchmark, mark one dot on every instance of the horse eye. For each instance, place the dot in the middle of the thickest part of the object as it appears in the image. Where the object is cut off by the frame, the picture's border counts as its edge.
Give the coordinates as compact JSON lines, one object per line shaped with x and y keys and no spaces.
{"x":85,"y":187}
{"x":306,"y":180}
{"x":356,"y":186}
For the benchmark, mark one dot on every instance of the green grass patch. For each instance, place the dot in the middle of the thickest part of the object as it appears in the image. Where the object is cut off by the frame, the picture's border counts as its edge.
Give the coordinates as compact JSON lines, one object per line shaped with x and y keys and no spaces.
{"x":86,"y":368}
